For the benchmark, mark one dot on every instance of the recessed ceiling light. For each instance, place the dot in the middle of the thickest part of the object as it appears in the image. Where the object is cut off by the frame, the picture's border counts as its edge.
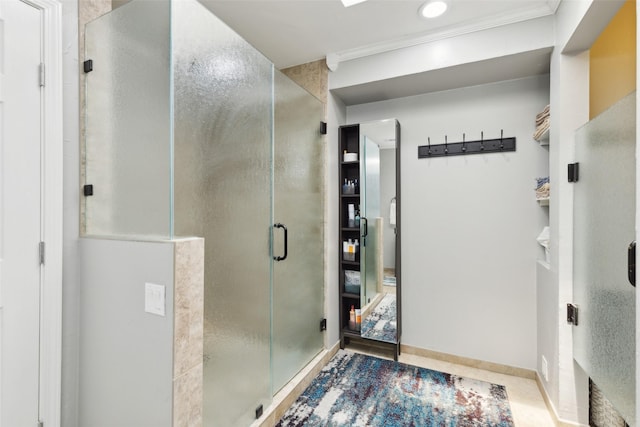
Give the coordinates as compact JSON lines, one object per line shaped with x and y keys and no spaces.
{"x":348,"y":3}
{"x":432,"y":9}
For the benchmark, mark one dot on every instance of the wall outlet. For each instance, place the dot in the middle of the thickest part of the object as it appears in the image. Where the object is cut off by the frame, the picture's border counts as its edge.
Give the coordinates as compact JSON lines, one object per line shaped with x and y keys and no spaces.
{"x":154,"y":299}
{"x":545,"y":368}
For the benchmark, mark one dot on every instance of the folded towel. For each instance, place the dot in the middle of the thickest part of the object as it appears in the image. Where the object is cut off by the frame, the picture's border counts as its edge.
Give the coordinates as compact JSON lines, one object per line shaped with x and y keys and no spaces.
{"x":542,"y":188}
{"x":543,"y":192}
{"x":540,"y":130}
{"x":544,"y":113}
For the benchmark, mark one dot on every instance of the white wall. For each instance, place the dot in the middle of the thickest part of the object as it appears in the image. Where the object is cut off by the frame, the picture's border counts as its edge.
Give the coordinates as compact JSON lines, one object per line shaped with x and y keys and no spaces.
{"x":71,"y":168}
{"x":126,"y":354}
{"x":446,"y":51}
{"x":577,"y":25}
{"x":469,"y":222}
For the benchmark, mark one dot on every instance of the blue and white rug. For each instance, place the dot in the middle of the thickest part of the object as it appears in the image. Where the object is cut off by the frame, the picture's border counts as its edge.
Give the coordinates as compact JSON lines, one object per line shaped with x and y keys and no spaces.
{"x":360,"y":390}
{"x":381,"y":323}
{"x":389,"y":281}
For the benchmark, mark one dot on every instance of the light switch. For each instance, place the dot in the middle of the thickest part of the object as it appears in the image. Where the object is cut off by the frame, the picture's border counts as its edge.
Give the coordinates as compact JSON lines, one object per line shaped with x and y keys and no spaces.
{"x":154,"y":298}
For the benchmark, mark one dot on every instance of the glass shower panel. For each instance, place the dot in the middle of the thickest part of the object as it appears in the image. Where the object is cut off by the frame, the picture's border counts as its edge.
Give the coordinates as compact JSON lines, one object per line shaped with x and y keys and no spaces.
{"x":223,"y":125}
{"x":298,"y":281}
{"x":604,"y":226}
{"x":127,"y":151}
{"x":371,"y":244}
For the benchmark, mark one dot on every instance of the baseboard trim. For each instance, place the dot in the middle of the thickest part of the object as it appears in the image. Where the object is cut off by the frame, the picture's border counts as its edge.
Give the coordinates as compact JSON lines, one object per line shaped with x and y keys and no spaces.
{"x":551,"y":408}
{"x":467,"y":361}
{"x":290,"y":392}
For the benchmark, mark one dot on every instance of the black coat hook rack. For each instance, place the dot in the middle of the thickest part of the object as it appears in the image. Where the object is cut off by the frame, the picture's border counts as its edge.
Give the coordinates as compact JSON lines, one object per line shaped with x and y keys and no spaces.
{"x":480,"y":146}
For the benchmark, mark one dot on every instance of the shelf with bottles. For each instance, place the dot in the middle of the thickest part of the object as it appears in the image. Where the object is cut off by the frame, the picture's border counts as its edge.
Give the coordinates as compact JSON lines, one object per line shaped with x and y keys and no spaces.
{"x":350,"y":187}
{"x":348,"y":301}
{"x":354,"y":319}
{"x":351,"y":251}
{"x":350,"y":214}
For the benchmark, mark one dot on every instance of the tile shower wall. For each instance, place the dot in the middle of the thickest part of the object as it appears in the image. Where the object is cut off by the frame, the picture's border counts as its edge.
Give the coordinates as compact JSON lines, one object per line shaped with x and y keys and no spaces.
{"x":312,"y":76}
{"x":188,"y":332}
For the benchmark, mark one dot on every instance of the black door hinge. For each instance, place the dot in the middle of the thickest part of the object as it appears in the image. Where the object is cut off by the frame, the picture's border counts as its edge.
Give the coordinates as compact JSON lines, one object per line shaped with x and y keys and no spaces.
{"x":88,"y":65}
{"x":573,"y":172}
{"x":323,"y":325}
{"x":259,"y":411}
{"x":41,"y":249}
{"x":87,"y":190}
{"x":572,"y":314}
{"x":323,"y":128}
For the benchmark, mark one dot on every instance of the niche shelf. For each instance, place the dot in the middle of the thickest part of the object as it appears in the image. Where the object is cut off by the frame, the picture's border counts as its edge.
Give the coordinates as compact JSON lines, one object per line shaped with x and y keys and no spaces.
{"x":544,"y":138}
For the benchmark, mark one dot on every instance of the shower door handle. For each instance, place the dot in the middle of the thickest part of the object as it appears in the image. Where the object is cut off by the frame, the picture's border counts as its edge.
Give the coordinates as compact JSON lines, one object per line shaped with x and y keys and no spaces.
{"x":286,"y":242}
{"x":365,"y":226}
{"x":631,"y":263}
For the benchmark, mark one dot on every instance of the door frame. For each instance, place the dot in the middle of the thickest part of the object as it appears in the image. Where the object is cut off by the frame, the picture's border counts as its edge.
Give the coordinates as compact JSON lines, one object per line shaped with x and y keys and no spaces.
{"x":52,"y":213}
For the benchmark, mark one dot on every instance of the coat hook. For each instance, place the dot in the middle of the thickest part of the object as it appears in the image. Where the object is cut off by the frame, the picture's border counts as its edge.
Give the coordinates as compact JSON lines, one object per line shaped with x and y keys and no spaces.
{"x":446,"y":146}
{"x":464,"y":144}
{"x":501,"y":142}
{"x":482,"y":141}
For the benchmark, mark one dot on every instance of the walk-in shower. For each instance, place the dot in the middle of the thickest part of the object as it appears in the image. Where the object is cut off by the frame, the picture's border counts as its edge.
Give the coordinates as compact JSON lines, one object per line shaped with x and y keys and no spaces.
{"x":190,"y":131}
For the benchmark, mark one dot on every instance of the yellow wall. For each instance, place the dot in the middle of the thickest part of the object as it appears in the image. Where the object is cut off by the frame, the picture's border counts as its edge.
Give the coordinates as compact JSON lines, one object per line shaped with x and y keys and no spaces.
{"x":613,"y":61}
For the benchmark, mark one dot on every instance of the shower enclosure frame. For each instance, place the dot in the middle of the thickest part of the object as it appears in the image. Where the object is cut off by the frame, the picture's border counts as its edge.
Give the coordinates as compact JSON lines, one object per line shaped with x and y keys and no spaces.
{"x":211,"y":121}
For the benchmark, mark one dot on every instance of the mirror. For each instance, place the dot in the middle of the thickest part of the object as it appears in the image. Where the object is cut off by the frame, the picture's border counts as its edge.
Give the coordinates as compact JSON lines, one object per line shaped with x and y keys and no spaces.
{"x":379,"y":228}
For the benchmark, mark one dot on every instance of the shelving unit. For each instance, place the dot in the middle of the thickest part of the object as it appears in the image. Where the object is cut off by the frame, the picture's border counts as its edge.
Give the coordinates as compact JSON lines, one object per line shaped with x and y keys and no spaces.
{"x":543,"y":141}
{"x":349,"y":140}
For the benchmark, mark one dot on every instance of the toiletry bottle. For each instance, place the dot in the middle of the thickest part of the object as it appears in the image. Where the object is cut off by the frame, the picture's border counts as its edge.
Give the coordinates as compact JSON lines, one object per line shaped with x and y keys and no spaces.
{"x":351,"y":222}
{"x":357,"y":218}
{"x":352,"y":318}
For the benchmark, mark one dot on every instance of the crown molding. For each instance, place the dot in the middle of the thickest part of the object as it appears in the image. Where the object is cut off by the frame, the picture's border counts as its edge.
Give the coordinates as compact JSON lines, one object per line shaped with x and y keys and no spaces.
{"x":334,"y":59}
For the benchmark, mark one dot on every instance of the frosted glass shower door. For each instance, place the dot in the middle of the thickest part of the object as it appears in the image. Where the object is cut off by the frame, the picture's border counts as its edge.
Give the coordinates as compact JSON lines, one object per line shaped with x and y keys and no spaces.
{"x":298,"y":200}
{"x":604,"y":226}
{"x":222,"y":128}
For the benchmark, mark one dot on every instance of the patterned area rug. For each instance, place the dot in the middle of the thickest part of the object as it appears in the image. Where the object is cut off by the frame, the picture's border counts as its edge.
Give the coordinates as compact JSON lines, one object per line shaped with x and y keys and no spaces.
{"x":389,"y":281}
{"x":381,"y":324}
{"x":359,"y":390}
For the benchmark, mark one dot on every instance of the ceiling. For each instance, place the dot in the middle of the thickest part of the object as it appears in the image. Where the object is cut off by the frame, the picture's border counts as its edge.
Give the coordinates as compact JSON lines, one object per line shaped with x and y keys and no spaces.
{"x":293,"y":32}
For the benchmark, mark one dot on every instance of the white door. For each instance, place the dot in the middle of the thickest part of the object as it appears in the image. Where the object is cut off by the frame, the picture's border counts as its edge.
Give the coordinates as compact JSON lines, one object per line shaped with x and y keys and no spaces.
{"x":20,"y":212}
